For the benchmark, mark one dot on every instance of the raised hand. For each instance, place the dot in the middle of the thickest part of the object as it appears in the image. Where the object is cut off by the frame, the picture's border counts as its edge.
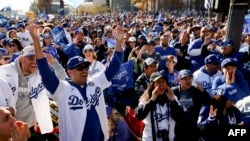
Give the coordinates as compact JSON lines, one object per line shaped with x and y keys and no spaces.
{"x":20,"y":131}
{"x":170,"y":94}
{"x":119,"y":33}
{"x":155,"y":93}
{"x":212,"y":111}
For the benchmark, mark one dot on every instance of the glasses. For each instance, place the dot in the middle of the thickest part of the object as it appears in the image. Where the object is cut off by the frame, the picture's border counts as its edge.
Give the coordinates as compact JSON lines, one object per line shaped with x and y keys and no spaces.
{"x":82,"y":67}
{"x":11,"y":45}
{"x":47,"y":31}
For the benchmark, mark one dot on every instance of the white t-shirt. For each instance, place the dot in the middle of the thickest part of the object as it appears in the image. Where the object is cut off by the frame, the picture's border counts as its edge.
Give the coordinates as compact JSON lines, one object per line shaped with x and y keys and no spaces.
{"x":25,"y":38}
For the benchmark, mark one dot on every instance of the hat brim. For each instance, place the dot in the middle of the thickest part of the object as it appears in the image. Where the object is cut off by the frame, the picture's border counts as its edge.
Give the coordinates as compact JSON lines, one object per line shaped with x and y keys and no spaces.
{"x":234,"y":98}
{"x":186,"y":75}
{"x":83,"y":62}
{"x":29,"y":55}
{"x":157,"y":78}
{"x":229,"y":64}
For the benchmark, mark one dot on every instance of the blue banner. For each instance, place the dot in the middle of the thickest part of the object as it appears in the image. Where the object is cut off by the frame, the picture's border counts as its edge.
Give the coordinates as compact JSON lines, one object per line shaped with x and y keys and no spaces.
{"x":59,"y":36}
{"x":110,"y":42}
{"x":61,"y":12}
{"x":246,"y":26}
{"x":3,"y":20}
{"x":124,"y":77}
{"x":6,"y":8}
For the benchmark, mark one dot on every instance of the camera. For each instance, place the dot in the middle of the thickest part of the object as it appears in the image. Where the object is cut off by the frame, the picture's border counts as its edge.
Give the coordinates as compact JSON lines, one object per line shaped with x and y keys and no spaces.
{"x":163,"y":134}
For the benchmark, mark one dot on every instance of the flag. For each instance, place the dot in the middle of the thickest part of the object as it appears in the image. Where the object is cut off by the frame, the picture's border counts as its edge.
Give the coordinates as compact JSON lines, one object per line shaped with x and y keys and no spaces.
{"x":59,"y":36}
{"x":124,"y":77}
{"x":160,"y":19}
{"x":110,"y":42}
{"x":208,"y":4}
{"x":6,"y":8}
{"x":3,"y":20}
{"x":61,"y":12}
{"x":246,"y":25}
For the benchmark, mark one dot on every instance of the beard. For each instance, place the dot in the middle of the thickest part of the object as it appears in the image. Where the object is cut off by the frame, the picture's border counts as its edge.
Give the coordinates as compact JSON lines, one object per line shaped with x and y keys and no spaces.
{"x":164,"y":44}
{"x":79,"y":43}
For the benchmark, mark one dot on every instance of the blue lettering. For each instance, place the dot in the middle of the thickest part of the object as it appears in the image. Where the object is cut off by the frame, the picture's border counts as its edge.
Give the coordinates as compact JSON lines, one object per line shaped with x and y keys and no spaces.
{"x":75,"y":102}
{"x":94,"y":98}
{"x":36,"y":90}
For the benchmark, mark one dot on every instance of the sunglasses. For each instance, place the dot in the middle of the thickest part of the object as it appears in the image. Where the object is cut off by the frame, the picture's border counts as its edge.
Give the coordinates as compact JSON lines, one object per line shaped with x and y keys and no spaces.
{"x":82,"y":67}
{"x":47,"y":31}
{"x":11,"y":45}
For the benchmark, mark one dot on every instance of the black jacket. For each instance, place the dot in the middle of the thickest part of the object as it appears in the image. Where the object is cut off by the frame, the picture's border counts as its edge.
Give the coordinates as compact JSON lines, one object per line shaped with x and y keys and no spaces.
{"x":186,"y":121}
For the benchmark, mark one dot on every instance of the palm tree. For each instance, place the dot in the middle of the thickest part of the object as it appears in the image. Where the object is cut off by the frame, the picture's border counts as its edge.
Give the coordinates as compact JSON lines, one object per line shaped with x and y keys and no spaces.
{"x":61,"y":4}
{"x":44,"y":5}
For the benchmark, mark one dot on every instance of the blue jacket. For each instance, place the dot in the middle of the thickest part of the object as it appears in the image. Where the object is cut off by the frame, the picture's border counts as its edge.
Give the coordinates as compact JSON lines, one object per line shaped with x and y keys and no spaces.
{"x":197,"y":60}
{"x":212,"y":128}
{"x":240,"y":84}
{"x":72,"y":50}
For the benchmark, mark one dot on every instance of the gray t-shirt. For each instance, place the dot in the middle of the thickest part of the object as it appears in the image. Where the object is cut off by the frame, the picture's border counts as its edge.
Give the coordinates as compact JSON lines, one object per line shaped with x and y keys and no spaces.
{"x":24,"y":109}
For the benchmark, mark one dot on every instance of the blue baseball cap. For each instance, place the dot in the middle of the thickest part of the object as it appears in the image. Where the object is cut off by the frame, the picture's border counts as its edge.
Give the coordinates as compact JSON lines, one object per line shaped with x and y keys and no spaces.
{"x":78,"y":30}
{"x":228,"y":62}
{"x":6,"y":41}
{"x":184,"y":73}
{"x":75,"y":61}
{"x":3,"y":51}
{"x":212,"y":59}
{"x":229,"y":91}
{"x":20,"y":25}
{"x":227,"y":42}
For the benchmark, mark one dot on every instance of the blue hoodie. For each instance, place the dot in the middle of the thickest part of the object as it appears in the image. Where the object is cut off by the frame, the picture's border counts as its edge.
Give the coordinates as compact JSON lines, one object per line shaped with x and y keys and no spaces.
{"x":240,"y":84}
{"x":212,"y":128}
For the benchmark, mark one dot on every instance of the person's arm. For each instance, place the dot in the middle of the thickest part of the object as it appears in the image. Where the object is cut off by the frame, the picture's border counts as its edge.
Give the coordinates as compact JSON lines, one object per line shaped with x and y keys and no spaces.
{"x":142,"y":110}
{"x":69,"y":49}
{"x":117,"y":58}
{"x":207,"y":118}
{"x":57,"y":67}
{"x":49,"y":78}
{"x":215,"y":84}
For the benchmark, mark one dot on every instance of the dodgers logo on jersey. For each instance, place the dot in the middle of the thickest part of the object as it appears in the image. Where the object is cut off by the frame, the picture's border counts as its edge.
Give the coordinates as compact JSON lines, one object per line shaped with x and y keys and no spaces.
{"x":75,"y":102}
{"x":247,"y":66}
{"x":36,"y":90}
{"x":94,"y":98}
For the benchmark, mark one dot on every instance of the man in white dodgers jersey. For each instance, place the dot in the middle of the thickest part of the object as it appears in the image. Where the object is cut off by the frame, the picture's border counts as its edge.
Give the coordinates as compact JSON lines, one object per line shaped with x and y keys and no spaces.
{"x":80,"y":100}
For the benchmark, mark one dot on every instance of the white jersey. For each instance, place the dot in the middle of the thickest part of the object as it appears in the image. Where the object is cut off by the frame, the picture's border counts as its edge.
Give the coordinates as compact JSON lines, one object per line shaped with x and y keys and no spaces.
{"x":25,"y":38}
{"x":205,"y":79}
{"x":165,"y":122}
{"x":95,"y":67}
{"x":73,"y":107}
{"x":6,"y":95}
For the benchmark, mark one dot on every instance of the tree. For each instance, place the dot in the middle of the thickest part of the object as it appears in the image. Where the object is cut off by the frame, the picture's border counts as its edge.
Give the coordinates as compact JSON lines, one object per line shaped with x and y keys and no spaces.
{"x":44,"y":5}
{"x":61,"y":4}
{"x":33,"y":7}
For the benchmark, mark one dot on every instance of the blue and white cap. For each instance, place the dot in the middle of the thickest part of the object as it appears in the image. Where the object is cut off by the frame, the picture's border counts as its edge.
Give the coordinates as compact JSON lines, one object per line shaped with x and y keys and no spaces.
{"x":75,"y":61}
{"x":28,"y":51}
{"x":229,"y":91}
